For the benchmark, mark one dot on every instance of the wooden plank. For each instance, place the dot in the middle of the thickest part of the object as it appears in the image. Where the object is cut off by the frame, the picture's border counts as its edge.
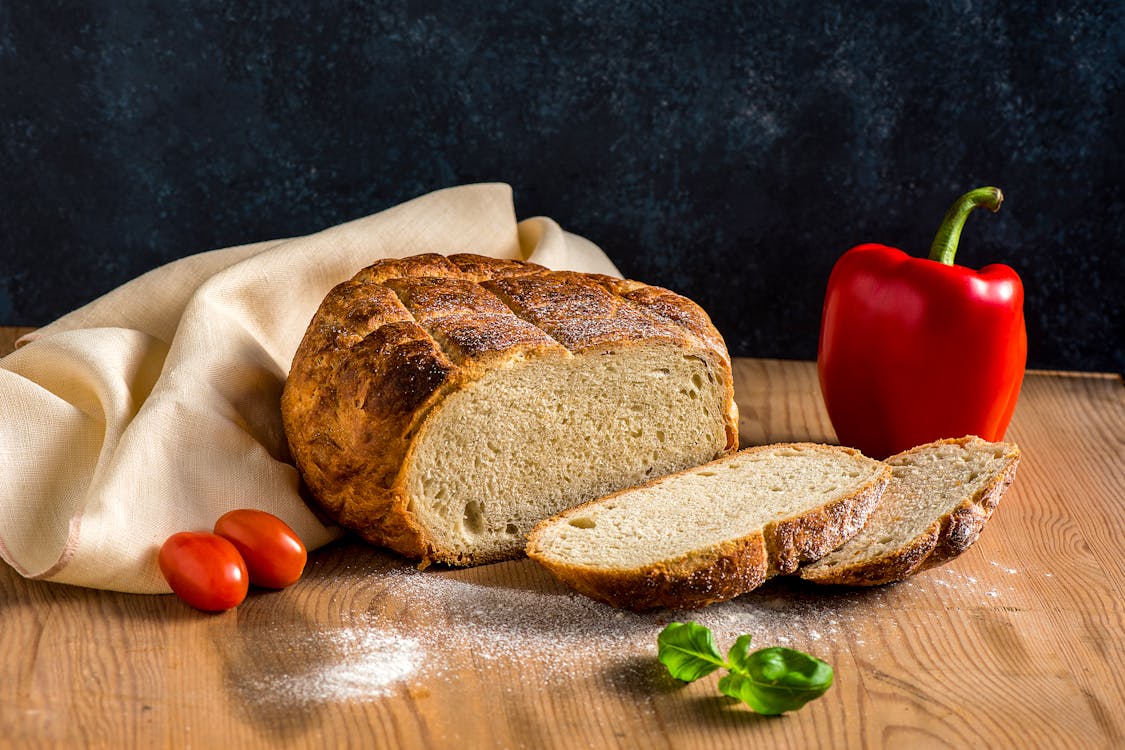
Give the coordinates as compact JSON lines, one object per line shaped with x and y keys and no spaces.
{"x":1017,"y":643}
{"x":118,"y":669}
{"x":8,"y":337}
{"x":779,"y":401}
{"x":1073,"y":430}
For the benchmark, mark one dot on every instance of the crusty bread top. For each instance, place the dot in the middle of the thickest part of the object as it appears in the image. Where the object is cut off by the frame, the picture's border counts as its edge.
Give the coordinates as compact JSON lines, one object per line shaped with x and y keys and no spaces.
{"x":940,"y":496}
{"x":714,"y":531}
{"x":385,"y":346}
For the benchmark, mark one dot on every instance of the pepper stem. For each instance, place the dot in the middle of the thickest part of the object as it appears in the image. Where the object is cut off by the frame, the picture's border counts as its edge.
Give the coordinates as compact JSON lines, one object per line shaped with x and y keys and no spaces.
{"x":949,"y":234}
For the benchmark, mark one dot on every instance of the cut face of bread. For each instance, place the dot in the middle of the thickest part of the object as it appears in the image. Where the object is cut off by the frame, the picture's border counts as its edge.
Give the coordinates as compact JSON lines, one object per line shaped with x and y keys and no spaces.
{"x":528,"y":440}
{"x":442,"y":406}
{"x":712,"y":532}
{"x":939,"y":498}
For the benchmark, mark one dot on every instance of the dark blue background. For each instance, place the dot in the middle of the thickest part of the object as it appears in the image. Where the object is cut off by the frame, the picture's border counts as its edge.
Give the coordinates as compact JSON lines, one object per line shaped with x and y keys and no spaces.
{"x":728,"y":151}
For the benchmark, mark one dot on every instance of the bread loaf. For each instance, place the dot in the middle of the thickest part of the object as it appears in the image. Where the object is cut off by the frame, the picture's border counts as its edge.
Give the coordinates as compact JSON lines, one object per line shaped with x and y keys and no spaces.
{"x":940,"y":496}
{"x":442,"y":406}
{"x":713,"y":532}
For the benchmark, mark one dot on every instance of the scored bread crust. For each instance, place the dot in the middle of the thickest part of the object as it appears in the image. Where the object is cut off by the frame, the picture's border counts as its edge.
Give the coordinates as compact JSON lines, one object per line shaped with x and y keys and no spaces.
{"x":948,"y":536}
{"x":386,"y":347}
{"x":721,"y":571}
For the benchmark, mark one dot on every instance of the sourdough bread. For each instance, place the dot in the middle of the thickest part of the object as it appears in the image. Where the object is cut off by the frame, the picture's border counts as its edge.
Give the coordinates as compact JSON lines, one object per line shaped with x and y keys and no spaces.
{"x":939,"y":498}
{"x":442,"y":406}
{"x":712,"y":532}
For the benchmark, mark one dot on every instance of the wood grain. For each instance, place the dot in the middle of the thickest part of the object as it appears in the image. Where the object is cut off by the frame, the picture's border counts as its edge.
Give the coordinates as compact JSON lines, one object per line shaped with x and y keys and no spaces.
{"x":1018,"y":643}
{"x":8,"y":337}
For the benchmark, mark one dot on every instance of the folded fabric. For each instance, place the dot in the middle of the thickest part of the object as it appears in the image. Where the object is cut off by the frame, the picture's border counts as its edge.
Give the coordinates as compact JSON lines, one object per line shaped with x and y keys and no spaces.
{"x":154,"y":409}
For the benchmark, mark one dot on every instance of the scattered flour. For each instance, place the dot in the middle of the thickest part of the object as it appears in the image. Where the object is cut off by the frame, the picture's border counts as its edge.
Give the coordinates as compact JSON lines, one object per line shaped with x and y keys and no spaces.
{"x":564,"y":633}
{"x":415,"y":618}
{"x":342,"y":664}
{"x":1009,"y":571}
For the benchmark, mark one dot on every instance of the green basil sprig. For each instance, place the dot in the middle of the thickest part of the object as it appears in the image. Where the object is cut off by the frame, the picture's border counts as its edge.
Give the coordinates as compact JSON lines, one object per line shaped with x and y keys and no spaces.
{"x":771,"y":680}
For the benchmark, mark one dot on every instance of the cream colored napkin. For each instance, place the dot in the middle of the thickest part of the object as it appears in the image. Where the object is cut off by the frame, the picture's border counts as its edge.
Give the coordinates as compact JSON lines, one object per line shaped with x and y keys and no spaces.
{"x":154,"y":409}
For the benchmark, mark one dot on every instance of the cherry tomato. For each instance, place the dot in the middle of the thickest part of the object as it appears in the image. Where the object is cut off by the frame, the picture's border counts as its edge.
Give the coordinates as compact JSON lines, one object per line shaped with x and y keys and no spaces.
{"x":274,"y":554}
{"x":204,"y":570}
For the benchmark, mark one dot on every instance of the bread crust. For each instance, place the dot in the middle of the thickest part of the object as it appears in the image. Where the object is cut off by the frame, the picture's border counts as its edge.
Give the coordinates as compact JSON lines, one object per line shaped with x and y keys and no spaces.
{"x":948,"y":536}
{"x":386,"y":347}
{"x":723,"y":571}
{"x":815,"y":533}
{"x":713,"y":575}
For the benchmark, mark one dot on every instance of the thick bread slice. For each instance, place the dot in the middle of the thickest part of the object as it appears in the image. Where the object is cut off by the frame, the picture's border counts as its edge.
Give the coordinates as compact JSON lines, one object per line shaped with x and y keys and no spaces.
{"x":442,"y":406}
{"x":712,"y":532}
{"x":940,"y":496}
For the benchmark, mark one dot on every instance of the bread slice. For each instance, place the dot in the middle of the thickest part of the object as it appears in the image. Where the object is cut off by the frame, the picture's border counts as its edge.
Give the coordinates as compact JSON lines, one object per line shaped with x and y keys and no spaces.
{"x":712,"y":532}
{"x":940,"y":496}
{"x":442,"y":406}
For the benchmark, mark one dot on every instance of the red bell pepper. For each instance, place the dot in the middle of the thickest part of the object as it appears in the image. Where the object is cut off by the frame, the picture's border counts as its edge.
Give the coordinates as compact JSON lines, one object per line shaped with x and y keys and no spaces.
{"x":918,"y":349}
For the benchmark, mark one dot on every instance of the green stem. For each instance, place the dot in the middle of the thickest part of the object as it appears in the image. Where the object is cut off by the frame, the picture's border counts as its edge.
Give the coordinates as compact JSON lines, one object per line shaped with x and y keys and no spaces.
{"x":949,"y":234}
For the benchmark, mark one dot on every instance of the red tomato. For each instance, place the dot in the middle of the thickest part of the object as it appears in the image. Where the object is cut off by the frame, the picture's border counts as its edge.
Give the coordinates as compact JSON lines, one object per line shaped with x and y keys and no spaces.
{"x":204,"y":570}
{"x":273,"y":553}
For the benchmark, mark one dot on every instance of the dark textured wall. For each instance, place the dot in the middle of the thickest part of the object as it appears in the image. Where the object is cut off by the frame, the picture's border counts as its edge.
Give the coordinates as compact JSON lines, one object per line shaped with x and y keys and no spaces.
{"x":728,"y":151}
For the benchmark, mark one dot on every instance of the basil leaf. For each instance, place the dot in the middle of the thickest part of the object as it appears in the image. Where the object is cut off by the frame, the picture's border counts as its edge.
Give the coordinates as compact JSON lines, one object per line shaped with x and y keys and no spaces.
{"x":778,"y":679}
{"x":688,"y":650}
{"x":739,"y":653}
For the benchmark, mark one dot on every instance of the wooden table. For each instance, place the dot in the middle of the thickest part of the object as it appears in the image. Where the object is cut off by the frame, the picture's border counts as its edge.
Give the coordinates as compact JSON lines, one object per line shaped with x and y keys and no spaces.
{"x":1018,"y":643}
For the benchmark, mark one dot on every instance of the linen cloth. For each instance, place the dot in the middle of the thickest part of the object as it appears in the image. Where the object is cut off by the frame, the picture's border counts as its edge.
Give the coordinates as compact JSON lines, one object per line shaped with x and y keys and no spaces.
{"x":155,"y":408}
